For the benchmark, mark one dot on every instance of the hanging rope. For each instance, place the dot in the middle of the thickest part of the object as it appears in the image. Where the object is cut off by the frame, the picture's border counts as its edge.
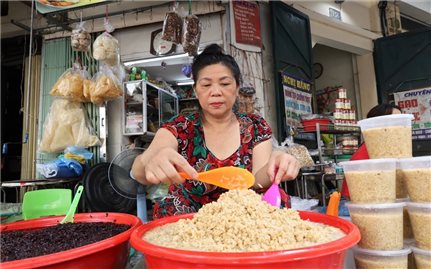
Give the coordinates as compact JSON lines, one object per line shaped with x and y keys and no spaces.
{"x":27,"y":101}
{"x":190,"y":7}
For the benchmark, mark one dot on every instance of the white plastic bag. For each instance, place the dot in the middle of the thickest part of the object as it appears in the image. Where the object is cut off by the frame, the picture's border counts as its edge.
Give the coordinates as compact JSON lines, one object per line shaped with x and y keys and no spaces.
{"x":80,"y":38}
{"x":106,"y":49}
{"x":67,"y":125}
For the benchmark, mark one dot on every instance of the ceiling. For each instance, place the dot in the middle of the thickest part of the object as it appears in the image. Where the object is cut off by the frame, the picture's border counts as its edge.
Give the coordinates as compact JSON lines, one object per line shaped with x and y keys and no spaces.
{"x":171,"y":72}
{"x":15,"y":19}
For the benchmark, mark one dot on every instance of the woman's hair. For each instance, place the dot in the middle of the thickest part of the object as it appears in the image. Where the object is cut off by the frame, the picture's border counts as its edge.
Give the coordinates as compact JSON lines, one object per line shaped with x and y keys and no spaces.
{"x":214,"y":54}
{"x":381,"y":110}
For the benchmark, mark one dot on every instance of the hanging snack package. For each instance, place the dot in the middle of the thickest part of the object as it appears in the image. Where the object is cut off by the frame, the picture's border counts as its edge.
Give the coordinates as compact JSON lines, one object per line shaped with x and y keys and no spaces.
{"x":107,"y":86}
{"x":172,"y":26}
{"x":88,"y":88}
{"x":80,"y":38}
{"x":70,"y":84}
{"x":67,"y":125}
{"x":192,"y":29}
{"x":106,"y":49}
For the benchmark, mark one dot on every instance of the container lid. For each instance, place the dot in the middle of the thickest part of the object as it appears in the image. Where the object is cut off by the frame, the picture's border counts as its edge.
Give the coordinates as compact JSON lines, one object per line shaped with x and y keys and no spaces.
{"x":393,"y":253}
{"x":402,"y":200}
{"x":420,"y":251}
{"x":375,"y":206}
{"x":385,"y":121}
{"x":409,"y":242}
{"x":419,"y":206}
{"x":373,"y":164}
{"x":415,"y":162}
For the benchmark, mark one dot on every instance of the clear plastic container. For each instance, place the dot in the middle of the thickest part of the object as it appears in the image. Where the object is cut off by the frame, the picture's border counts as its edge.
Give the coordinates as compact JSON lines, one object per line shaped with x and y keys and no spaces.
{"x":381,"y":225}
{"x":400,"y":186}
{"x":422,"y":257}
{"x":407,"y":226}
{"x":415,"y":174}
{"x":411,"y":259}
{"x":377,"y":259}
{"x":420,"y":218}
{"x":371,"y":181}
{"x":388,"y":136}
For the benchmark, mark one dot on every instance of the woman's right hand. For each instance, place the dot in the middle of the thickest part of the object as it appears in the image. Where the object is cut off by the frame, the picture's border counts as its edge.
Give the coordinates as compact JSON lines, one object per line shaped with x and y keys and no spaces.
{"x":164,"y":166}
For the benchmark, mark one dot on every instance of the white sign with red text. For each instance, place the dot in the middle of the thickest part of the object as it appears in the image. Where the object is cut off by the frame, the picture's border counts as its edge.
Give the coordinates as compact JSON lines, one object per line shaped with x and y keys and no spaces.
{"x":418,"y":103}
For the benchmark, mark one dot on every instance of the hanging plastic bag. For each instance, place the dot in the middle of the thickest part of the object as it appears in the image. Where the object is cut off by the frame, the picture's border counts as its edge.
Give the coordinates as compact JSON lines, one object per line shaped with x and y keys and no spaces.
{"x":80,"y":38}
{"x":67,"y":125}
{"x":107,"y":86}
{"x":88,"y":88}
{"x":105,"y":47}
{"x":70,"y":84}
{"x":192,"y":29}
{"x":172,"y":26}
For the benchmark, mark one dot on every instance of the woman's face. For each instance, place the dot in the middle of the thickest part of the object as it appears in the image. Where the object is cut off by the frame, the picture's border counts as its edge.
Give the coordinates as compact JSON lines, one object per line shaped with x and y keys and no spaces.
{"x":216,"y":89}
{"x":396,"y":111}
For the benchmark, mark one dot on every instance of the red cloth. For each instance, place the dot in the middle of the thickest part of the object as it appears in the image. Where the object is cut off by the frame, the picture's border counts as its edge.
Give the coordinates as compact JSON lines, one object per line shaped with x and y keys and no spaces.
{"x":360,"y":154}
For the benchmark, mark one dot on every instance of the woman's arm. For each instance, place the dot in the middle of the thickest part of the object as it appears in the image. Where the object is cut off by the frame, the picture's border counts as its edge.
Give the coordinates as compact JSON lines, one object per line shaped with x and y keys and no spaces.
{"x":161,"y":162}
{"x":272,"y":165}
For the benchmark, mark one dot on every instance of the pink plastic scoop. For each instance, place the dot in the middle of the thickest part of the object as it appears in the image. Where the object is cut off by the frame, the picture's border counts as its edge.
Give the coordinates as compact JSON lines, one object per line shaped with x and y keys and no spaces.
{"x":272,"y":195}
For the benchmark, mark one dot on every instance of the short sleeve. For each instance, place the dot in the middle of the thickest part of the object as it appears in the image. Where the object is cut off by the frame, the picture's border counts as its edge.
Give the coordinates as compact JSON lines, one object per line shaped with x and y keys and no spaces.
{"x":262,"y":130}
{"x":175,"y":125}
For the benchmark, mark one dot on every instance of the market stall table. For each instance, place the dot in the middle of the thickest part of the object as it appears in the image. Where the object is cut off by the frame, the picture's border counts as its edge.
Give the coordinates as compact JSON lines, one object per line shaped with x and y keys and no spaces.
{"x":17,"y":184}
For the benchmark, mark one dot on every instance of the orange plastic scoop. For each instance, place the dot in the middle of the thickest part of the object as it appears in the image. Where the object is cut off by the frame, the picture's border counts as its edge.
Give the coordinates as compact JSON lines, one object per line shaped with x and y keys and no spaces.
{"x":226,"y":177}
{"x":334,"y":202}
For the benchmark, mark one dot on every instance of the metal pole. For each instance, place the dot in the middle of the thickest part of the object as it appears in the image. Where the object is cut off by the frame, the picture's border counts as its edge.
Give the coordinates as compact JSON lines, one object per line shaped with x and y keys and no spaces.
{"x":27,"y":101}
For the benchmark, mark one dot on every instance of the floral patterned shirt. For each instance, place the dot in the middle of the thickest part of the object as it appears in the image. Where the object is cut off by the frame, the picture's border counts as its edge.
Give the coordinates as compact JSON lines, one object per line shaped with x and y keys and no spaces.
{"x":192,"y":195}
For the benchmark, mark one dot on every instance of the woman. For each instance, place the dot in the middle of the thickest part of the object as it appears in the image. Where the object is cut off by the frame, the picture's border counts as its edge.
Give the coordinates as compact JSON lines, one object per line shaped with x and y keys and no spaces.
{"x":362,"y":153}
{"x":214,"y":137}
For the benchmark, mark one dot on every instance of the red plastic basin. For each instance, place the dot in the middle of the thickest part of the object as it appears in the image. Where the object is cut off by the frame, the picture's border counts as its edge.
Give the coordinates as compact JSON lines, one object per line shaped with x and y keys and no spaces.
{"x":328,"y":255}
{"x":109,"y":253}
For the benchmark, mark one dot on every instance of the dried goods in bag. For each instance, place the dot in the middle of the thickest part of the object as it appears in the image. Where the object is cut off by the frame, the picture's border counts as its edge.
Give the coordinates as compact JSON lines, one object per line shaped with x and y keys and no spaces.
{"x":300,"y":152}
{"x":192,"y":29}
{"x":70,"y":84}
{"x":80,"y":38}
{"x":106,"y":49}
{"x":172,"y":27}
{"x":88,"y":88}
{"x":67,"y":125}
{"x":107,"y":86}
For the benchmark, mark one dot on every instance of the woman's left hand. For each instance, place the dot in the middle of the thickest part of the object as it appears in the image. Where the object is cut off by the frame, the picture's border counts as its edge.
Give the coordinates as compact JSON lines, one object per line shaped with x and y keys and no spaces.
{"x":282,"y":167}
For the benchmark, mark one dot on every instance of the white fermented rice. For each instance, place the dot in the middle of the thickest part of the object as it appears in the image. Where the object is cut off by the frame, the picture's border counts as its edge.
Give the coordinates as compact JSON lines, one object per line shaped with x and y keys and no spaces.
{"x":241,"y":222}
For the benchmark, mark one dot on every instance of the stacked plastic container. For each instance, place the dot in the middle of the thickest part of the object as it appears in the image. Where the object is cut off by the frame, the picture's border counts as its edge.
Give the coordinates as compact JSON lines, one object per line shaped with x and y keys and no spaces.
{"x":379,"y":194}
{"x":415,"y":173}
